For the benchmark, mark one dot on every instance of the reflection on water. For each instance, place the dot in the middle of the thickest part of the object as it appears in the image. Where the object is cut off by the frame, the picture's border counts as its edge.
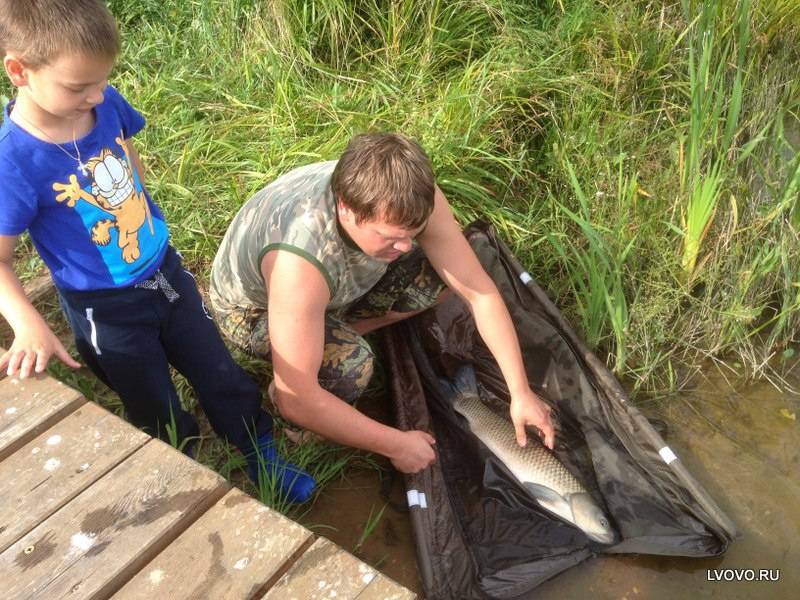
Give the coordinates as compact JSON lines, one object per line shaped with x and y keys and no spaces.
{"x":739,"y":442}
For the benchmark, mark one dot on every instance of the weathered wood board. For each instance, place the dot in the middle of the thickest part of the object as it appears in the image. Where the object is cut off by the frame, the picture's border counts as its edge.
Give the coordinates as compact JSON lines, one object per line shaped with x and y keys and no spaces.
{"x":95,"y":543}
{"x":383,"y":588}
{"x":325,"y":571}
{"x":36,"y":290}
{"x":92,"y":507}
{"x":30,"y":406}
{"x":53,"y":468}
{"x":232,"y":551}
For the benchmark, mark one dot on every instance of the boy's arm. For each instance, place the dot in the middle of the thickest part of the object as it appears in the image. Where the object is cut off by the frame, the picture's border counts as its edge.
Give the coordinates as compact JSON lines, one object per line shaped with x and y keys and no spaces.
{"x":34,"y":342}
{"x":455,"y":262}
{"x":297,"y":298}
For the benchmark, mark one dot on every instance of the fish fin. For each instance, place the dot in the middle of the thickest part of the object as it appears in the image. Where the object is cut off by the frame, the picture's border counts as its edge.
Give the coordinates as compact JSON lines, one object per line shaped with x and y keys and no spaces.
{"x":550,"y":500}
{"x":464,"y":389}
{"x":464,"y":381}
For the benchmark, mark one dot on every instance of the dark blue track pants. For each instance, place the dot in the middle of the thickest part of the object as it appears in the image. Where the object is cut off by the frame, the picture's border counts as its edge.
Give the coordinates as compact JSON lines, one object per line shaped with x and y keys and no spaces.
{"x":129,"y":337}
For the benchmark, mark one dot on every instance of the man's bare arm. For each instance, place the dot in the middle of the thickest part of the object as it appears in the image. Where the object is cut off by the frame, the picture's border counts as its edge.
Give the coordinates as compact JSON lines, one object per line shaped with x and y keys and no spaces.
{"x":364,"y":326}
{"x":297,"y":298}
{"x":452,"y":257}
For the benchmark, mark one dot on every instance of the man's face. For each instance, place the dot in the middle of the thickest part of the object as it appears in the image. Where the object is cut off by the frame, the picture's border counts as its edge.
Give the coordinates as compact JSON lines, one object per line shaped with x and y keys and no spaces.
{"x":377,"y":238}
{"x":70,"y":86}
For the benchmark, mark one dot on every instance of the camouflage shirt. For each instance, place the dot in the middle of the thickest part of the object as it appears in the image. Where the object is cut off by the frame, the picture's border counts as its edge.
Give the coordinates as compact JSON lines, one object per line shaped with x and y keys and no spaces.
{"x":295,"y":213}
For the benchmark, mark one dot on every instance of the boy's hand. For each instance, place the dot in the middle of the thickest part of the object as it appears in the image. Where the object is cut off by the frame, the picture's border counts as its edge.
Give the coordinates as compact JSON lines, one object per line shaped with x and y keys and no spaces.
{"x":529,"y":409}
{"x":32,"y":349}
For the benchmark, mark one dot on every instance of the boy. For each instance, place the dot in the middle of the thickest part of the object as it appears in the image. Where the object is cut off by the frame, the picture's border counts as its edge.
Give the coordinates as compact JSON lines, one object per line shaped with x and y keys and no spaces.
{"x":72,"y":178}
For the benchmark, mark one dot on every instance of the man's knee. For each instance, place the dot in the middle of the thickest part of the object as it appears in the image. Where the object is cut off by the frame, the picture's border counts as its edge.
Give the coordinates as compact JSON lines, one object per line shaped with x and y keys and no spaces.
{"x":347,"y":369}
{"x":246,"y":328}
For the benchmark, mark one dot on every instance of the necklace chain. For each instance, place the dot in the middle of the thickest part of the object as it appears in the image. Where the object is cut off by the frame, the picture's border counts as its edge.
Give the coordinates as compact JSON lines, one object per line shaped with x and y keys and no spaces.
{"x":77,"y":158}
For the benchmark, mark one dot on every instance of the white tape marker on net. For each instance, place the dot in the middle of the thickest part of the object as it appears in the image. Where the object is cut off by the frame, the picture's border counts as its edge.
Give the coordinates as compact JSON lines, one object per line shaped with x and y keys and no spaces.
{"x":416,"y":498}
{"x":667,"y":455}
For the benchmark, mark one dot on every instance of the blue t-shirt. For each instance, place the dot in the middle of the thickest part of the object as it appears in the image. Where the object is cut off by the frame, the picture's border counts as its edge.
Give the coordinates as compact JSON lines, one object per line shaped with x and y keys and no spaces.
{"x":101,"y":232}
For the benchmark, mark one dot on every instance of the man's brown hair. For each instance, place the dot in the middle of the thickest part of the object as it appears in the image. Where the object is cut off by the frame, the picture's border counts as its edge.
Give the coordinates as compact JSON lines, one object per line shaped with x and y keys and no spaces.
{"x":38,"y":31}
{"x":385,"y":176}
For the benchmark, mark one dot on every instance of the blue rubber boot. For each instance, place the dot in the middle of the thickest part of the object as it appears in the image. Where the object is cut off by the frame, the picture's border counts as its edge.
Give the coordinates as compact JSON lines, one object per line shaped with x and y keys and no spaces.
{"x":294,"y":484}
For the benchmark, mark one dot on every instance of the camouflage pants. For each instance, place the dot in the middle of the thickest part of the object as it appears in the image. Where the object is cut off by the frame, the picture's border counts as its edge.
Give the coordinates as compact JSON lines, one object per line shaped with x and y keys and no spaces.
{"x":409,"y":284}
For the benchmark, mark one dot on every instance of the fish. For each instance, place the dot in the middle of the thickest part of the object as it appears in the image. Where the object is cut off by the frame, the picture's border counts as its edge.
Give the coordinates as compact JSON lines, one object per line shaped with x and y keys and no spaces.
{"x":536,"y":468}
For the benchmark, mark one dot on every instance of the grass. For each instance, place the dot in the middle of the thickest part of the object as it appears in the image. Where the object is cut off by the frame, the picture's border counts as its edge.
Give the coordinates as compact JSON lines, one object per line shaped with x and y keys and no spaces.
{"x":369,"y":527}
{"x":596,"y":268}
{"x":641,"y":158}
{"x":714,"y":116}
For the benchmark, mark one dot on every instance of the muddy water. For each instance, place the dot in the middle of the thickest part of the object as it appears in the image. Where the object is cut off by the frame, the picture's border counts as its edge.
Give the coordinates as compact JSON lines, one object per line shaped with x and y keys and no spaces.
{"x":342,"y":511}
{"x":745,"y":451}
{"x":739,"y":442}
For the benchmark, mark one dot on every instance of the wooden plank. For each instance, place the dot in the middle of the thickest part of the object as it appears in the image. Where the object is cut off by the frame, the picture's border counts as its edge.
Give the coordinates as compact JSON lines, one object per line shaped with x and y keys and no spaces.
{"x":30,"y":406}
{"x":94,"y":544}
{"x":324,"y":571}
{"x":36,"y":289}
{"x":233,"y":551}
{"x":383,"y":588}
{"x":50,"y":470}
{"x":39,"y":288}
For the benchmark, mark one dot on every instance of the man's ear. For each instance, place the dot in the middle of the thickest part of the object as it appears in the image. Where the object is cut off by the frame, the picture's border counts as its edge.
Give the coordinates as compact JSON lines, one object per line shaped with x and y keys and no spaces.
{"x":344,"y":211}
{"x":17,"y":72}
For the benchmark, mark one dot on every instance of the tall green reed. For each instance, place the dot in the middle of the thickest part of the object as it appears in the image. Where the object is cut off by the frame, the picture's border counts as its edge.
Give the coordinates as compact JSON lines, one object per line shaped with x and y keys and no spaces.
{"x":716,"y":100}
{"x":596,"y":264}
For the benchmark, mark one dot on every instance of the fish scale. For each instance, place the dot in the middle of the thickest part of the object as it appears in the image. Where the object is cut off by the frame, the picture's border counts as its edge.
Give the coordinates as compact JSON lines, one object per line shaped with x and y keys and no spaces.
{"x":533,"y":463}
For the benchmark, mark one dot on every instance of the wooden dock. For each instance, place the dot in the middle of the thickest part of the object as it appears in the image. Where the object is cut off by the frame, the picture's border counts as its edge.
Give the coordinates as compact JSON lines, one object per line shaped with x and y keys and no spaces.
{"x":91,"y":508}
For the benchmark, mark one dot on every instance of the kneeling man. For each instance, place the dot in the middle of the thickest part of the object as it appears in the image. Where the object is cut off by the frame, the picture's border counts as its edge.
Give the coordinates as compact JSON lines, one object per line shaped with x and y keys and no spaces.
{"x":333,"y":250}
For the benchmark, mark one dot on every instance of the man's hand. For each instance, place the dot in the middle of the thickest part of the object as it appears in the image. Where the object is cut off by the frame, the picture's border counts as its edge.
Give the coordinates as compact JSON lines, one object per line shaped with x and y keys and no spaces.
{"x":415,"y":452}
{"x":32,"y":349}
{"x":529,"y":409}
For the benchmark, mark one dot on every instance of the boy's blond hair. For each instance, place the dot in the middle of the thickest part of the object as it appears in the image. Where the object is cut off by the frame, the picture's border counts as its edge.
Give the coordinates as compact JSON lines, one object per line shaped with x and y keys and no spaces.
{"x":38,"y":31}
{"x":385,"y":176}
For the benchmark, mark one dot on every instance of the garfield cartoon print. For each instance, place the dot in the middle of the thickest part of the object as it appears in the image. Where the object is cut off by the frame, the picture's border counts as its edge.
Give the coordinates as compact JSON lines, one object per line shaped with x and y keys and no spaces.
{"x":116,"y":192}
